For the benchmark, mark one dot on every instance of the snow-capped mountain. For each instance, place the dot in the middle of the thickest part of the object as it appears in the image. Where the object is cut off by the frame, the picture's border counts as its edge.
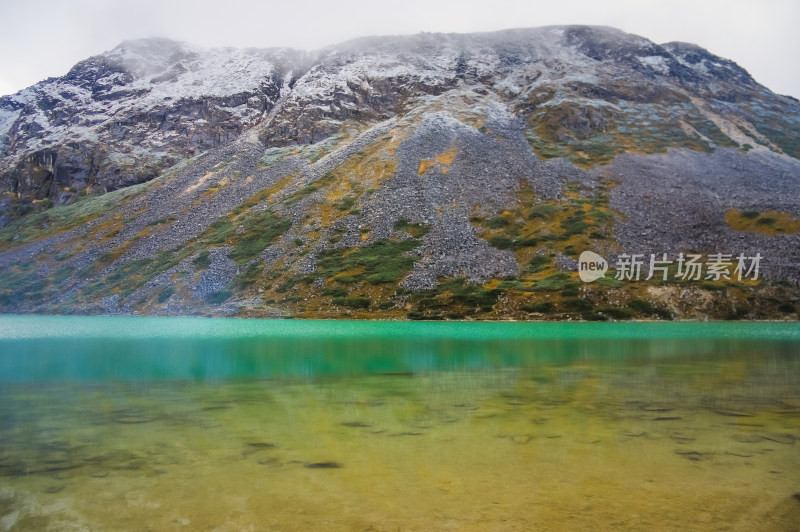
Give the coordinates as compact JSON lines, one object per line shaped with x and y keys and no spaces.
{"x":120,"y":118}
{"x":474,"y":167}
{"x":123,"y":117}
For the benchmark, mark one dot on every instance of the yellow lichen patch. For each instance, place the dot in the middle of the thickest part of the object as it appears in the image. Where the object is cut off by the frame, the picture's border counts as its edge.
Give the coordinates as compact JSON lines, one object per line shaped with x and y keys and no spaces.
{"x":113,"y":230}
{"x":446,"y":157}
{"x":212,"y":190}
{"x":492,"y":284}
{"x":102,"y":232}
{"x":478,"y":121}
{"x":340,"y":191}
{"x":350,"y":273}
{"x":325,"y":213}
{"x":112,"y":256}
{"x":144,"y":232}
{"x":367,"y":169}
{"x":268,"y":194}
{"x":393,"y":139}
{"x":424,"y":166}
{"x":199,"y":183}
{"x":71,"y":247}
{"x":441,"y":161}
{"x":767,"y":223}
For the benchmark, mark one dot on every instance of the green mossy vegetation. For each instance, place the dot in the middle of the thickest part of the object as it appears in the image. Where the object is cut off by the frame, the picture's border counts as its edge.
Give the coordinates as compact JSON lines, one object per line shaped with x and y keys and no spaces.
{"x":335,"y":291}
{"x":453,"y":298}
{"x":166,"y":294}
{"x":415,"y":230}
{"x":21,"y":284}
{"x":543,"y":210}
{"x":256,"y":231}
{"x":218,"y":297}
{"x":647,"y":309}
{"x":556,"y":283}
{"x":768,"y":223}
{"x":352,"y":302}
{"x":590,"y":135}
{"x":202,"y":260}
{"x":497,"y":222}
{"x":385,"y":261}
{"x":309,"y":189}
{"x":346,"y":203}
{"x":780,"y":129}
{"x":541,"y":307}
{"x":248,"y":277}
{"x":58,"y":220}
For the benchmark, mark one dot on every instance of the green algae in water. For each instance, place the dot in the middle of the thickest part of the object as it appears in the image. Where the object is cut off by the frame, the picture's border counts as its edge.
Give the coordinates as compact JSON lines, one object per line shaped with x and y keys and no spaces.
{"x":111,"y":424}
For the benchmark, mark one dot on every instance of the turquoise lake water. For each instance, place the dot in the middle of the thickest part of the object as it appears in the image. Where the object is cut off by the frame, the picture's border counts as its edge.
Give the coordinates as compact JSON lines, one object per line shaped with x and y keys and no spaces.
{"x":204,"y":424}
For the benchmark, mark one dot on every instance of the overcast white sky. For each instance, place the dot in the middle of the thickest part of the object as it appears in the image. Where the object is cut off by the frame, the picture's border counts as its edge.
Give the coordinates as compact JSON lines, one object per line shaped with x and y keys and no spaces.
{"x":43,"y":38}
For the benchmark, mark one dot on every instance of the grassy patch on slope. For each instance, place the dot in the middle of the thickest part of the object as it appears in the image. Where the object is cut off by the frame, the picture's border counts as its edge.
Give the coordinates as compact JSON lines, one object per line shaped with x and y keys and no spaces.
{"x":58,"y":220}
{"x":767,"y":223}
{"x":592,"y":134}
{"x":384,"y":261}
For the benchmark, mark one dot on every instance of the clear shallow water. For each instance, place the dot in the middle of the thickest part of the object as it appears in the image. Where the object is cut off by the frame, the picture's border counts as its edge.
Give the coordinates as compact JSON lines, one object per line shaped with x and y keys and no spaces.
{"x":192,"y":424}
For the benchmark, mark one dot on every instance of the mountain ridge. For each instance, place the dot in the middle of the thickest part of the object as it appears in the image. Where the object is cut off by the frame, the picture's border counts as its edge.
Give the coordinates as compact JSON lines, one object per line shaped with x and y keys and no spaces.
{"x":106,"y":71}
{"x":451,"y":176}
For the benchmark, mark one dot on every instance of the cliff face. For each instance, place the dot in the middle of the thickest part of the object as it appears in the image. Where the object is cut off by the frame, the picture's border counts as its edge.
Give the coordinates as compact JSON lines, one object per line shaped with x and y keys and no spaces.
{"x":123,"y":117}
{"x":430,"y":176}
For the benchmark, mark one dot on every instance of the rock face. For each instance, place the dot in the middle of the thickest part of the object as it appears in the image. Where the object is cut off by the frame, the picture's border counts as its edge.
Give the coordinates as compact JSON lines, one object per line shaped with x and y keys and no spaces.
{"x":428,"y":176}
{"x":122,"y":117}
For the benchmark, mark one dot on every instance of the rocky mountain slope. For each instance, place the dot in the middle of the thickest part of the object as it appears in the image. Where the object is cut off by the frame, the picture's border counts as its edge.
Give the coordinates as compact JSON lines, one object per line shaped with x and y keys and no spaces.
{"x":431,"y":176}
